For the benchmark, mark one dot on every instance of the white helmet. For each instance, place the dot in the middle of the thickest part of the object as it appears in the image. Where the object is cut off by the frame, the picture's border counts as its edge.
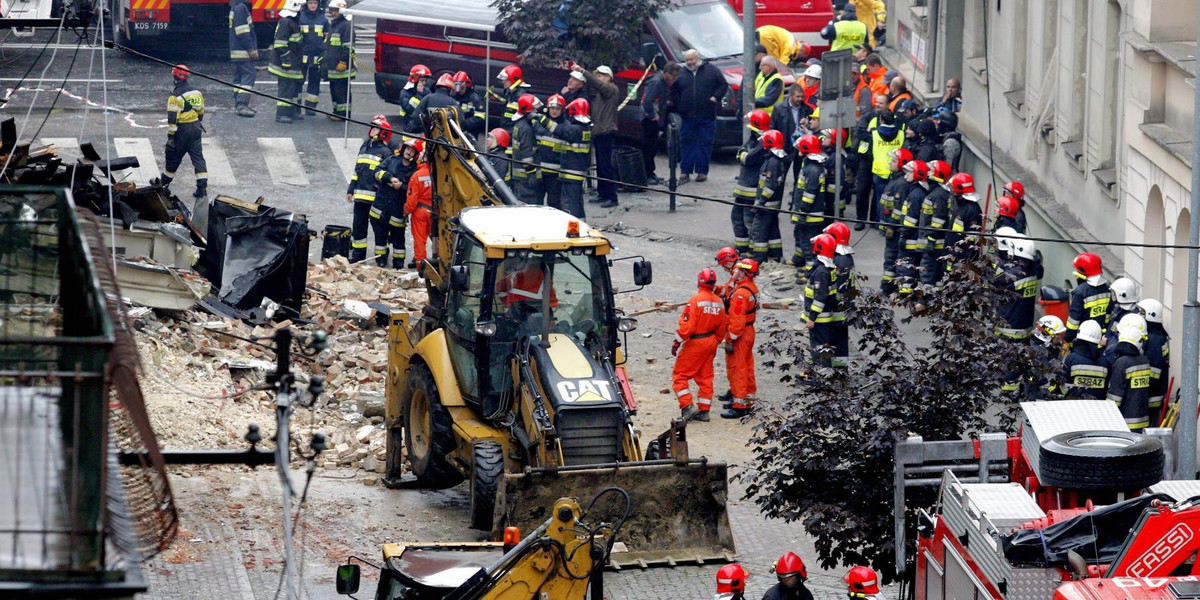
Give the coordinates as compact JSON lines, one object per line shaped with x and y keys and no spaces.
{"x":1048,"y":327}
{"x":1004,"y":238}
{"x":1132,"y":329}
{"x":338,"y":5}
{"x":1023,"y":248}
{"x":1089,"y":331}
{"x":1153,"y":309}
{"x":1126,"y":292}
{"x":291,"y":8}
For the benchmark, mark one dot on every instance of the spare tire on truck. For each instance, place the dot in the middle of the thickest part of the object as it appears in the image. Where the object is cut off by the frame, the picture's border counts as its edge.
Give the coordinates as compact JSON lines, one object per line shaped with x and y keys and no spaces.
{"x":1101,"y":460}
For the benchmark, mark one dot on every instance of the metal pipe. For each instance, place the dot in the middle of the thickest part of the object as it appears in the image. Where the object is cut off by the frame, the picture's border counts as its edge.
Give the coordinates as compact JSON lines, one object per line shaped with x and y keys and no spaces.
{"x":933,"y":18}
{"x":748,"y":70}
{"x":1186,"y":465}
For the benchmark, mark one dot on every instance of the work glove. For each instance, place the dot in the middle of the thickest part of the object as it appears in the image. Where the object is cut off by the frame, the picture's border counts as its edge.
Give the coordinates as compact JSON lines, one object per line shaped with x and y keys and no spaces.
{"x":341,"y":67}
{"x":728,"y":346}
{"x":675,"y":347}
{"x":254,"y":55}
{"x":170,"y":143}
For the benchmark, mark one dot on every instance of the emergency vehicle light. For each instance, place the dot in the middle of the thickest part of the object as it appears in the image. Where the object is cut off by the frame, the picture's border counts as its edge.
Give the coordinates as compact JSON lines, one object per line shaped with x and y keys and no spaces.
{"x":572,"y":228}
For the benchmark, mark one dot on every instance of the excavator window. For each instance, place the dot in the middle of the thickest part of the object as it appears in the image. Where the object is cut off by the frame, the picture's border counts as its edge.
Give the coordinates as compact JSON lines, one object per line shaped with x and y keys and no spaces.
{"x":464,"y":310}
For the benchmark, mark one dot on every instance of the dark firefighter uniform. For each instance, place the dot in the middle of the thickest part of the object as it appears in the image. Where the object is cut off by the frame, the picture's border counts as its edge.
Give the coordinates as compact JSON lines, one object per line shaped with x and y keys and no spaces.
{"x":577,"y":148}
{"x":312,"y":42}
{"x":548,"y":156}
{"x":765,"y":240}
{"x":889,"y":205}
{"x":1019,"y":279}
{"x":470,"y":110}
{"x":440,"y":98}
{"x":410,"y":99}
{"x":808,"y":198}
{"x":935,"y":220}
{"x":1129,"y":385}
{"x":843,"y":264}
{"x":751,"y":156}
{"x":286,"y":65}
{"x":387,"y":212}
{"x":1157,"y":349}
{"x":821,"y":309}
{"x":1089,"y":301}
{"x":243,"y":51}
{"x":912,"y":241}
{"x":509,"y":97}
{"x":968,"y":218}
{"x":363,"y":189}
{"x":525,"y":173}
{"x":1084,"y":371}
{"x":338,"y":61}
{"x":185,"y":113}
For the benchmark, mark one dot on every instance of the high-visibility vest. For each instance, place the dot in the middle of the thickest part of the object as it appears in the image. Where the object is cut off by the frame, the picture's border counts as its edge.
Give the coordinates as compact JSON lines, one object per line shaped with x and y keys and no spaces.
{"x":849,"y":35}
{"x":880,"y":149}
{"x":760,"y":88}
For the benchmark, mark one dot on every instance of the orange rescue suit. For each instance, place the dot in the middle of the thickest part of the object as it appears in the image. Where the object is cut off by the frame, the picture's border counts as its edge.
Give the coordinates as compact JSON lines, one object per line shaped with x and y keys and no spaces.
{"x":739,"y":364}
{"x":418,"y":206}
{"x":701,"y":329}
{"x":525,"y":286}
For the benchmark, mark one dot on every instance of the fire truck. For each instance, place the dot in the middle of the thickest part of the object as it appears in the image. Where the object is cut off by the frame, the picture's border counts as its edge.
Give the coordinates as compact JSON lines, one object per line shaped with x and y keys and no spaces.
{"x":138,"y":22}
{"x":1073,"y":508}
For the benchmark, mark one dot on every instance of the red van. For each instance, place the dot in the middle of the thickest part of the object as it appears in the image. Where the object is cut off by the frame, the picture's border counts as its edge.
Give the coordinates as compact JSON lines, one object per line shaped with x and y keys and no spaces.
{"x":461,"y":35}
{"x":804,"y":18}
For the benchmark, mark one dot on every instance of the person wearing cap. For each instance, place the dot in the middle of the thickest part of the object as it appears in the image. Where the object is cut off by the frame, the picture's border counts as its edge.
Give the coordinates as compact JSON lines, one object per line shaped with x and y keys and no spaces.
{"x":847,"y":31}
{"x":576,"y":88}
{"x":654,"y":116}
{"x":768,"y":85}
{"x":604,"y":129}
{"x":788,"y":118}
{"x":952,"y":98}
{"x":696,"y":94}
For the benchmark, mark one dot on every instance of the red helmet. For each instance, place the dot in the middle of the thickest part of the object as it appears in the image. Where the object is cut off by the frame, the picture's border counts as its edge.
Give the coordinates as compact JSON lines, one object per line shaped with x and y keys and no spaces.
{"x":1087,"y":265}
{"x":502,"y":137}
{"x":919,"y":170}
{"x":772,"y":140}
{"x":446,"y":80}
{"x":961,"y":184}
{"x":556,"y":100}
{"x":862,"y":580}
{"x":416,"y":144}
{"x":463,"y":78}
{"x":579,"y":109}
{"x":526,"y":104}
{"x":727,"y":255}
{"x":385,"y":128}
{"x":759,"y":120}
{"x":707,"y":278}
{"x":180,"y":72}
{"x":749,"y":265}
{"x":417,"y":72}
{"x":808,"y":144}
{"x":731,"y":579}
{"x":1016,"y":189}
{"x":902,"y":155}
{"x":790,"y":564}
{"x":511,"y":73}
{"x":939,"y":170}
{"x":1009,"y":206}
{"x":840,"y":233}
{"x":824,"y":245}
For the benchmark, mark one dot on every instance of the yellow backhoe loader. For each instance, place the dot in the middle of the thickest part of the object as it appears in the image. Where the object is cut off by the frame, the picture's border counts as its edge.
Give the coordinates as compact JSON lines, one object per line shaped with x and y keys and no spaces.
{"x":513,"y":378}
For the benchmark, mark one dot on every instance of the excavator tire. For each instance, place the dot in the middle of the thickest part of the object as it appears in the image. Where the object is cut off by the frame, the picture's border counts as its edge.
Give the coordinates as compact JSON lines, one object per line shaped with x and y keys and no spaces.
{"x":486,"y":469}
{"x":428,"y":432}
{"x":1100,"y":460}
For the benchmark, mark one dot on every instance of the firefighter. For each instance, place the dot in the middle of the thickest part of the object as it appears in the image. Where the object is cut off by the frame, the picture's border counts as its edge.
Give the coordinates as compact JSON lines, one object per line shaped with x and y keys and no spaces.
{"x":1083,"y":369}
{"x":701,"y":329}
{"x":577,"y":148}
{"x":821,"y":301}
{"x":363,"y":184}
{"x":287,"y":62}
{"x":843,"y":262}
{"x":764,"y":236}
{"x":496,"y":147}
{"x":1091,"y":299}
{"x":512,"y":87}
{"x":1048,"y":332}
{"x":792,"y":574}
{"x":935,"y":215}
{"x":410,"y":97}
{"x":387,"y":212}
{"x":521,"y":284}
{"x":1006,"y":214}
{"x":1125,"y":296}
{"x":1130,"y":376}
{"x":911,"y":245}
{"x":739,"y":339}
{"x":525,"y":173}
{"x":731,"y":582}
{"x":312,"y":41}
{"x":185,"y":129}
{"x":890,"y":198}
{"x":243,"y":51}
{"x":751,"y":157}
{"x":1157,"y":350}
{"x":862,"y":583}
{"x":418,"y":206}
{"x":1020,"y":280}
{"x":968,"y":218}
{"x":548,"y":155}
{"x":1016,"y":190}
{"x":338,"y":58}
{"x":441,"y":97}
{"x":470,"y":110}
{"x":808,"y":199}
{"x":727,"y":258}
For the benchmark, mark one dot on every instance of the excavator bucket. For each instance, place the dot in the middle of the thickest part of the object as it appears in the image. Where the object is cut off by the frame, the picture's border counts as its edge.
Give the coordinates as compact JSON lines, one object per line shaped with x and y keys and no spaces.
{"x":677,"y":516}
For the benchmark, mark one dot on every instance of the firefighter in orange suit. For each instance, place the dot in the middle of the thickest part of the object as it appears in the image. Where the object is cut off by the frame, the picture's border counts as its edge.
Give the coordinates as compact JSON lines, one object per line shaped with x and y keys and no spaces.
{"x":418,"y":206}
{"x":522,"y":282}
{"x":739,"y":339}
{"x":701,"y":329}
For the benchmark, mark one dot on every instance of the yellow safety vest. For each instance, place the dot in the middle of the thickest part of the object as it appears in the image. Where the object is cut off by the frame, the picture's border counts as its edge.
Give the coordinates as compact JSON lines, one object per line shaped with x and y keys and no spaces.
{"x":880,"y":149}
{"x":760,"y":88}
{"x":849,"y":35}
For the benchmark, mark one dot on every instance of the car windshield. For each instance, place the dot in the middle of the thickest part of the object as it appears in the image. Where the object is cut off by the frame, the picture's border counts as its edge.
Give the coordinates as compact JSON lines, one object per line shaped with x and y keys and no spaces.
{"x":574,"y":308}
{"x":712,"y":29}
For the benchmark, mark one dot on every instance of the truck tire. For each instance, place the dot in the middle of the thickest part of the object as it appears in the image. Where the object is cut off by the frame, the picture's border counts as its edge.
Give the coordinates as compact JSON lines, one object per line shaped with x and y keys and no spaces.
{"x":1101,"y":460}
{"x":653,"y":452}
{"x":428,"y":432}
{"x":486,"y":470}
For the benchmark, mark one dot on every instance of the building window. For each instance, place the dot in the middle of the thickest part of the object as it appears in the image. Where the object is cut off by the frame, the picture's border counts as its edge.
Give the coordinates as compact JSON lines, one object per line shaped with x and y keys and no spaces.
{"x":1072,"y":74}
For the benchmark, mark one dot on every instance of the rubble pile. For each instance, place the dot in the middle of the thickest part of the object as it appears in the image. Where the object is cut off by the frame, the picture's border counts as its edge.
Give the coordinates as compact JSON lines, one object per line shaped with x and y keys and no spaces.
{"x":200,"y":368}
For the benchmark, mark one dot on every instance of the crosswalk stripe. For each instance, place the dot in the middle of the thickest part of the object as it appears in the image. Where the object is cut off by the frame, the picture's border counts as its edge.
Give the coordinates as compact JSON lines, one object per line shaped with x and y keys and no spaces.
{"x":283,"y":161}
{"x":219,"y":171}
{"x":68,"y":148}
{"x":345,"y":150}
{"x":141,"y":148}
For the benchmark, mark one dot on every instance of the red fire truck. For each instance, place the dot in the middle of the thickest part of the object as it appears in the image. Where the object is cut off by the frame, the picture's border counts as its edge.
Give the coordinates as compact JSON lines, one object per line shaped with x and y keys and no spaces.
{"x":137,"y":22}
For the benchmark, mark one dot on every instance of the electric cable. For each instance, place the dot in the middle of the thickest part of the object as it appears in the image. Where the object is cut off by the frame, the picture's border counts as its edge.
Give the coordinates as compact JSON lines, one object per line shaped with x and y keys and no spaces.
{"x":61,"y":87}
{"x":29,"y":111}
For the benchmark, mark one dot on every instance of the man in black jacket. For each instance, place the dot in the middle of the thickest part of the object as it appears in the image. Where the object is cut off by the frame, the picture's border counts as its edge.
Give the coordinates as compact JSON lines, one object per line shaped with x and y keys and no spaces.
{"x":604,"y":130}
{"x":788,"y":118}
{"x":696,"y":94}
{"x":654,"y":116}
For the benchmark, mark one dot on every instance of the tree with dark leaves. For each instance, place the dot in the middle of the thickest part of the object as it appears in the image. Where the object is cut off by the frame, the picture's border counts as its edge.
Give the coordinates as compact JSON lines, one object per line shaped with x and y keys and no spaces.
{"x":824,"y":456}
{"x":591,"y":33}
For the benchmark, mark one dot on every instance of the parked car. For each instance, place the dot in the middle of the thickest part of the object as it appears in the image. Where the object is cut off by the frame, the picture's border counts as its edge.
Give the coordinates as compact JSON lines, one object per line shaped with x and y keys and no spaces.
{"x":804,"y":18}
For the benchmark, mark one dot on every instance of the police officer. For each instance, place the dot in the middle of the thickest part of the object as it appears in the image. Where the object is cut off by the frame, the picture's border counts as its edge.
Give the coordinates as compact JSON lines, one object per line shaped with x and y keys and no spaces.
{"x":338,"y":59}
{"x":701,"y":329}
{"x":185,"y":115}
{"x":808,"y":199}
{"x":875,"y":151}
{"x":1130,"y":376}
{"x":765,"y":239}
{"x":847,"y":31}
{"x":1084,"y":369}
{"x":287,"y":63}
{"x":243,"y":51}
{"x":364,"y":185}
{"x":312,"y":44}
{"x":1157,"y":350}
{"x":821,"y":301}
{"x":751,"y":156}
{"x":1091,"y":298}
{"x":768,"y":85}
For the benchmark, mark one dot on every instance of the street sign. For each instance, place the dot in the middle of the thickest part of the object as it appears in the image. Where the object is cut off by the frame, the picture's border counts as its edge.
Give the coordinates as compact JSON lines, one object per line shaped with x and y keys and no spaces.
{"x":837,"y":74}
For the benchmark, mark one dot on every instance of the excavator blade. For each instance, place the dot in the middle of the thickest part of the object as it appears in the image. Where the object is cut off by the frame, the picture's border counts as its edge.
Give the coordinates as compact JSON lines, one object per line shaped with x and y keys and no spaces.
{"x":678,"y":508}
